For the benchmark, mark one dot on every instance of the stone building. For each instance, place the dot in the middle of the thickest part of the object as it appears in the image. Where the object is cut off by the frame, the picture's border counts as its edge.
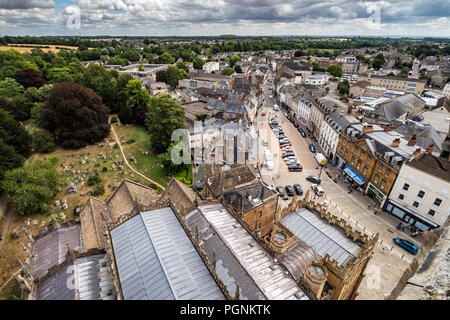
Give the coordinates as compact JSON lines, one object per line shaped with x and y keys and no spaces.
{"x":372,"y":156}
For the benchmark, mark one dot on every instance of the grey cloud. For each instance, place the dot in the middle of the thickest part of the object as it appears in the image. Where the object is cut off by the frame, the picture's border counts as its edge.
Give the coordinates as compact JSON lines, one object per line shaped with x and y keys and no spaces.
{"x":26,"y":4}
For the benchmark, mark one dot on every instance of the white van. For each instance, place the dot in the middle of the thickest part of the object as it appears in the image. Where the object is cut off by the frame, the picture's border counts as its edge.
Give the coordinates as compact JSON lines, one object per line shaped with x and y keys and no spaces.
{"x":320,"y":159}
{"x":270,"y":165}
{"x":267,"y":155}
{"x":275,"y":107}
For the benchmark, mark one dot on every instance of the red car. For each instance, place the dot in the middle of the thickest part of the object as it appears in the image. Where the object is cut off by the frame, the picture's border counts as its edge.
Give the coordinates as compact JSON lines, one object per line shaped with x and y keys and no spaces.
{"x":263,"y":114}
{"x":284,"y":145}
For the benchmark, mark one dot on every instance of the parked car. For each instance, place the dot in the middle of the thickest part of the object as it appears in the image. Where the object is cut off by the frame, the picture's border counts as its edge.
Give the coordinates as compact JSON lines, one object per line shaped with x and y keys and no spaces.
{"x":295,"y":168}
{"x":296,"y":125}
{"x":300,"y":130}
{"x":284,"y":145}
{"x":313,"y":179}
{"x":288,"y":154}
{"x":269,"y":165}
{"x":287,"y":149}
{"x":303,"y":134}
{"x":317,"y":189}
{"x":292,"y":162}
{"x":312,"y":148}
{"x":280,"y":191}
{"x":289,"y":191}
{"x":407,"y":245}
{"x":290,"y":158}
{"x":285,"y":140}
{"x":298,"y":189}
{"x":281,"y":136}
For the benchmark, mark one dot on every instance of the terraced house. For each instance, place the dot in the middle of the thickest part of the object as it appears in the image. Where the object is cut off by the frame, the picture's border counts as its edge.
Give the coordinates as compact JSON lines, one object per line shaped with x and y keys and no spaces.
{"x":372,"y":156}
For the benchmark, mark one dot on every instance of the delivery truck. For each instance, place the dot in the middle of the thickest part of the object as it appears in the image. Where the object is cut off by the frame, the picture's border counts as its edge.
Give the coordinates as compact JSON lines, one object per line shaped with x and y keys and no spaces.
{"x":320,"y":159}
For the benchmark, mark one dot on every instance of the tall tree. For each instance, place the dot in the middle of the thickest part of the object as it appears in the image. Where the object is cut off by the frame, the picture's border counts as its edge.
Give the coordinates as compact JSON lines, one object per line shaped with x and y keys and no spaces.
{"x":335,"y":70}
{"x":15,"y":143}
{"x":166,"y":58}
{"x":29,"y":78}
{"x":138,"y":101}
{"x":31,"y":187}
{"x":173,"y":75}
{"x":165,"y":115}
{"x":198,"y":63}
{"x":75,"y":115}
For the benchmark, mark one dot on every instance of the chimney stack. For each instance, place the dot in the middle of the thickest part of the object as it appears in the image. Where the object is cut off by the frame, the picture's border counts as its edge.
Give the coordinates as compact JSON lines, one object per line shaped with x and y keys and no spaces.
{"x":376,"y":120}
{"x":396,"y":142}
{"x":388,"y":128}
{"x":349,"y":109}
{"x":430,"y":149}
{"x":412,"y":141}
{"x":417,"y":152}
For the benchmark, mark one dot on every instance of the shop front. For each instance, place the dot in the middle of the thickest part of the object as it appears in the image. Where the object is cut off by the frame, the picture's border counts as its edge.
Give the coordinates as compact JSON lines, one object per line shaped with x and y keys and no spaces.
{"x":353,"y":176}
{"x":375,"y":194}
{"x":407,"y":215}
{"x":340,"y":163}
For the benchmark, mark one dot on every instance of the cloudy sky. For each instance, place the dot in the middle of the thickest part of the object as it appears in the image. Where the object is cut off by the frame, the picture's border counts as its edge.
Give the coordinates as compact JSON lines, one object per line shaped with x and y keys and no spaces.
{"x":216,"y":17}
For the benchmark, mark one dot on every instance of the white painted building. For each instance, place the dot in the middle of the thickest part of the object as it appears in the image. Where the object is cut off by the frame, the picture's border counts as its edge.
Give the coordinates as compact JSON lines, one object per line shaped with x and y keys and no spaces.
{"x":420,"y":195}
{"x":317,"y":79}
{"x":303,"y":111}
{"x":211,"y":66}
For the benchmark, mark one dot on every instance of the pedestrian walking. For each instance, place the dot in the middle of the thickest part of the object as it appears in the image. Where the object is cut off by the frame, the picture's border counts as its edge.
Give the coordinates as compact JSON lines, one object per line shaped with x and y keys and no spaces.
{"x":399,"y":226}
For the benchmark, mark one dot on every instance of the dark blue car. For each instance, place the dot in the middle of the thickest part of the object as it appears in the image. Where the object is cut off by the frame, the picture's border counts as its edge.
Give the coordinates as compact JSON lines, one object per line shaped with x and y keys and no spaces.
{"x":407,"y":245}
{"x":312,"y":148}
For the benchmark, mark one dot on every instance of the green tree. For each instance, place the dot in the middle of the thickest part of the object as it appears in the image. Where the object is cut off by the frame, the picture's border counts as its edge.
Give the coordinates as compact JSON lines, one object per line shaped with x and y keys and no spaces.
{"x":344,"y":87}
{"x":378,"y":62}
{"x":173,"y":75}
{"x":198,"y":63}
{"x":238,"y":68}
{"x":138,"y":101}
{"x":31,"y":187}
{"x":227,"y":71}
{"x":234,"y":59}
{"x":166,"y":58}
{"x":165,"y":115}
{"x":43,"y":141}
{"x":335,"y":70}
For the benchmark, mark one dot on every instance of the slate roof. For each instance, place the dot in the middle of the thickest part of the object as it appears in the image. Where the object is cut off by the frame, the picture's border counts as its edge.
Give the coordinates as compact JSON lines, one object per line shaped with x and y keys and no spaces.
{"x":324,"y":237}
{"x":391,"y":110}
{"x":157,"y":261}
{"x":51,"y":249}
{"x":85,"y":278}
{"x":93,"y":217}
{"x":437,"y":167}
{"x":269,"y":277}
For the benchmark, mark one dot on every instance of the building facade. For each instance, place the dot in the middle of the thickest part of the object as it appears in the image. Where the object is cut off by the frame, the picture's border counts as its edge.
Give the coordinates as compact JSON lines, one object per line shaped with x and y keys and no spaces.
{"x":420,"y":194}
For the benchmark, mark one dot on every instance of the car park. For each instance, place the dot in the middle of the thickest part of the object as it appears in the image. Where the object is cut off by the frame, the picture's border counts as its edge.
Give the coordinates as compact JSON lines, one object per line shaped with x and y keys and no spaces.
{"x":313,"y":179}
{"x":280,"y":191}
{"x":312,"y":148}
{"x":295,"y":168}
{"x":317,"y":189}
{"x":407,"y":245}
{"x":298,"y":189}
{"x":289,"y":191}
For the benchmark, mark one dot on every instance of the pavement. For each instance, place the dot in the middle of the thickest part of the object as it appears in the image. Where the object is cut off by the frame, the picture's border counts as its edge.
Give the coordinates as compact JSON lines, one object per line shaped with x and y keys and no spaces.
{"x":389,"y":261}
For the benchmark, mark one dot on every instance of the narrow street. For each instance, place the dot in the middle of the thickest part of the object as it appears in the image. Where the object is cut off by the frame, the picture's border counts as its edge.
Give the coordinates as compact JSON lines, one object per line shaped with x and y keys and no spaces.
{"x":389,"y":261}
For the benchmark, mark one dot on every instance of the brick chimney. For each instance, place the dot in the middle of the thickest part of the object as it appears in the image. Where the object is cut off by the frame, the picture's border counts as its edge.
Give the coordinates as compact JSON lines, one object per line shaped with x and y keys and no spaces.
{"x":366,"y":129}
{"x":417,"y":152}
{"x":376,"y":120}
{"x":430,"y":149}
{"x":412,"y":141}
{"x":396,"y":142}
{"x":388,"y":128}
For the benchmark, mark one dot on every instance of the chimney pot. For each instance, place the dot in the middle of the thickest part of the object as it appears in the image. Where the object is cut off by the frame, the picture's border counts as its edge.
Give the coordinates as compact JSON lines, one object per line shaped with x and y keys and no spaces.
{"x":430,"y":149}
{"x":412,"y":141}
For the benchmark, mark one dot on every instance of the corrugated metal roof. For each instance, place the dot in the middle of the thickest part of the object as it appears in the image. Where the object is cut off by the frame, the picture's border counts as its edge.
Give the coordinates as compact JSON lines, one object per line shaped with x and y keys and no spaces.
{"x":157,"y":261}
{"x":85,"y":278}
{"x":324,"y":237}
{"x":269,"y":277}
{"x":51,"y":249}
